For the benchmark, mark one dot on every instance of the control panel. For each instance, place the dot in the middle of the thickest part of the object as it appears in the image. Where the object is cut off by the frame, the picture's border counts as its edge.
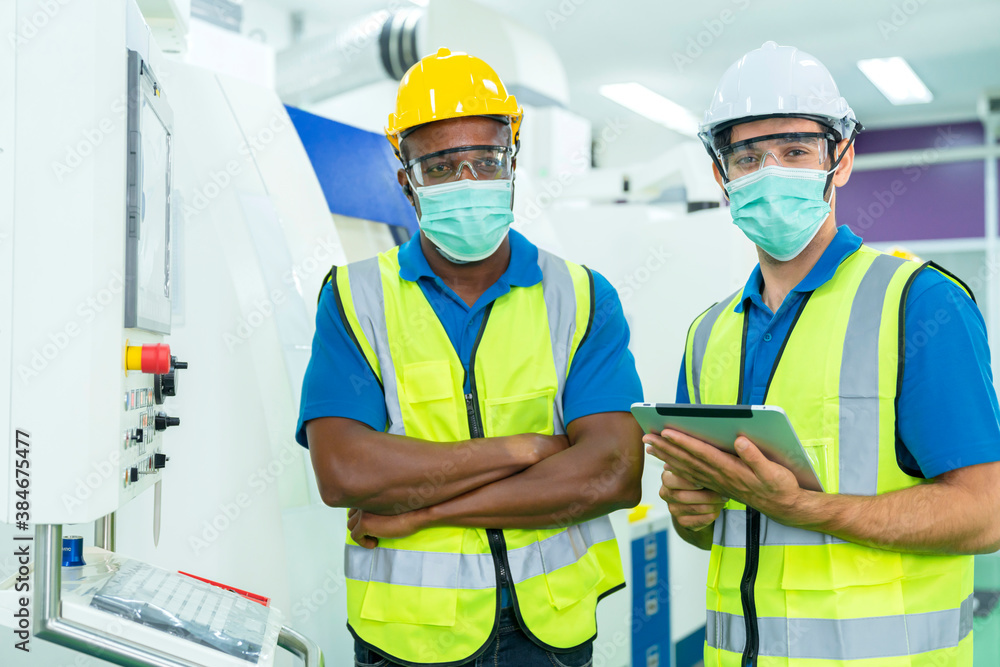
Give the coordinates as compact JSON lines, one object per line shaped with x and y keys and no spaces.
{"x":150,"y":379}
{"x":149,"y":367}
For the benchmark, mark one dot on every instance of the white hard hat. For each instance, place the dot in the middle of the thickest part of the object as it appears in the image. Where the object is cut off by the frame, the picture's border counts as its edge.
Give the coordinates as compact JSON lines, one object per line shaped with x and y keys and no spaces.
{"x":777,"y":81}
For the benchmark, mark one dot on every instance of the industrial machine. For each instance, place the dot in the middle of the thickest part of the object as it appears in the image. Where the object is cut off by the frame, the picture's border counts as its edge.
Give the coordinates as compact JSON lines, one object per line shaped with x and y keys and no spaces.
{"x":94,"y":327}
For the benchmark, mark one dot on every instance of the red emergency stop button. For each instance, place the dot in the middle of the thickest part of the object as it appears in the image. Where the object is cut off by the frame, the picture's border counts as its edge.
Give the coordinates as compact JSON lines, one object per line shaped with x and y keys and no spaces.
{"x":148,"y":358}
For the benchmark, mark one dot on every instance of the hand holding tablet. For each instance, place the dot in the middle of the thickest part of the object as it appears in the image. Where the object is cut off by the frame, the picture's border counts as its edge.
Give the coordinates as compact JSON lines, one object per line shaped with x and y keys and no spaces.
{"x":720,"y":425}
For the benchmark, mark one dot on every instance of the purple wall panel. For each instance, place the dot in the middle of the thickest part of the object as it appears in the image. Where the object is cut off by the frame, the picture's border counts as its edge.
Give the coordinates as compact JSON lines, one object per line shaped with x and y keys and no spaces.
{"x":952,"y":135}
{"x":941,"y":201}
{"x":921,"y":201}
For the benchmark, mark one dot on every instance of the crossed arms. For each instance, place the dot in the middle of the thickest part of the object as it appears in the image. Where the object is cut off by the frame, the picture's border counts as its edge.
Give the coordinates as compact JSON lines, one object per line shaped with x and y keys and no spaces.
{"x":396,"y":485}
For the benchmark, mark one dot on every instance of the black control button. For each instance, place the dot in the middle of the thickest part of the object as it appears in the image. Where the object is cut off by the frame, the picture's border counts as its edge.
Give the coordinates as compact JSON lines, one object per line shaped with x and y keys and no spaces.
{"x":166,"y":384}
{"x":163,"y":421}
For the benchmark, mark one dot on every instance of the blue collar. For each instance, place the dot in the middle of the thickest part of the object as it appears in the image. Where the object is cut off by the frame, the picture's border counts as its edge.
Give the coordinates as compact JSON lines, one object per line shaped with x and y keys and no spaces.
{"x":522,"y":271}
{"x":844,"y":244}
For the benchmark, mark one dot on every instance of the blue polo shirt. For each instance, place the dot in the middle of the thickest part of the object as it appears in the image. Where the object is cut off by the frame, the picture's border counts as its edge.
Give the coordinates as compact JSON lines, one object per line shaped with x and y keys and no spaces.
{"x":947,"y":412}
{"x":339,"y":383}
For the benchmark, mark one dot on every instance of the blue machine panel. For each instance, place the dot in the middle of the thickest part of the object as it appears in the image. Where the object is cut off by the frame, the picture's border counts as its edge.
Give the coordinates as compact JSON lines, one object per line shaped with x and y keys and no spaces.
{"x":356,"y":169}
{"x":650,"y":600}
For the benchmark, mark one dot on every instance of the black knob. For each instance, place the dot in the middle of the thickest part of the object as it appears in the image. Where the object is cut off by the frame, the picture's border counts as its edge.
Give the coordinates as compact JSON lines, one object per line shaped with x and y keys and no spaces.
{"x":168,"y":384}
{"x":160,"y":461}
{"x":174,"y":364}
{"x":133,"y":475}
{"x":164,"y":385}
{"x":162,"y":421}
{"x":138,"y":435}
{"x":158,"y":389}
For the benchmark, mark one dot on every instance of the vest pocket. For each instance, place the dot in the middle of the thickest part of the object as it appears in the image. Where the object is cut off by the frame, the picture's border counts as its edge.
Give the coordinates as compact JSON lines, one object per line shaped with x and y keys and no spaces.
{"x":833,"y":567}
{"x":571,"y":571}
{"x":816,"y":450}
{"x":526,"y":413}
{"x":413,"y":604}
{"x":429,"y":389}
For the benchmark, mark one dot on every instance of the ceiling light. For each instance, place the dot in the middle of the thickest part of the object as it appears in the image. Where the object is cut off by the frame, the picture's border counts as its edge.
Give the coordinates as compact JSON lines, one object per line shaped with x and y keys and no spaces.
{"x":896,"y":80}
{"x":645,"y":102}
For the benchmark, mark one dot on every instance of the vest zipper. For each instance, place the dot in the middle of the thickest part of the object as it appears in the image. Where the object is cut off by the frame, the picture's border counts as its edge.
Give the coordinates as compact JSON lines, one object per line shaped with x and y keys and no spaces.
{"x":751,"y":648}
{"x":498,"y":546}
{"x":752,"y":645}
{"x":471,"y":407}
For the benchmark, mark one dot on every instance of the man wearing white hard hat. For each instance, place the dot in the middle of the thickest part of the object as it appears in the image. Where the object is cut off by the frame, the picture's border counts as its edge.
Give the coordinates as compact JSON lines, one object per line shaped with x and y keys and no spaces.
{"x":903,"y":430}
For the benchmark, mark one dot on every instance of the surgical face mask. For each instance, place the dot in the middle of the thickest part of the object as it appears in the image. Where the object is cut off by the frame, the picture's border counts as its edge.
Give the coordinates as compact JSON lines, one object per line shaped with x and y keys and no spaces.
{"x":780,"y":209}
{"x":467,"y":220}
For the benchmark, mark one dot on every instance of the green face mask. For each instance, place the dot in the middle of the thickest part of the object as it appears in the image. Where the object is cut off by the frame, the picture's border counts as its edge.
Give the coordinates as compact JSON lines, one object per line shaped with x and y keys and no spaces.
{"x":779,"y":208}
{"x":467,"y":220}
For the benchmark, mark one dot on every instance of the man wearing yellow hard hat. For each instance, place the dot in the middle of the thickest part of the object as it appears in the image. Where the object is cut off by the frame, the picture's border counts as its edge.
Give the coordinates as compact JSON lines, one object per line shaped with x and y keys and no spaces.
{"x":467,"y":398}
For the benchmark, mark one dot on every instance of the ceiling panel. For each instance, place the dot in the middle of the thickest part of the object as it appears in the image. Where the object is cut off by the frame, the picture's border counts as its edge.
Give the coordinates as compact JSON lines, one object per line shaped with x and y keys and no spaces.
{"x":680,"y":49}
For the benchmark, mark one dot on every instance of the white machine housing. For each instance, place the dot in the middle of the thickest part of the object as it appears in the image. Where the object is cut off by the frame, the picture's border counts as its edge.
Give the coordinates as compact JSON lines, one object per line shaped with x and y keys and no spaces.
{"x":62,"y":318}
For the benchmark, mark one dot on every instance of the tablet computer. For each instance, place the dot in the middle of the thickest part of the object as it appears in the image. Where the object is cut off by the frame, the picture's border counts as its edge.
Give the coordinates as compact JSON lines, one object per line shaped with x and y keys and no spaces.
{"x":767,"y":426}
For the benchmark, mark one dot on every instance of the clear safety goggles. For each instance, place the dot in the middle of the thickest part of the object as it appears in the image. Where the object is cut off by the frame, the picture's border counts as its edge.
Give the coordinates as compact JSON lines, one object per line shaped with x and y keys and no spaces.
{"x":799,"y":150}
{"x":485,"y":163}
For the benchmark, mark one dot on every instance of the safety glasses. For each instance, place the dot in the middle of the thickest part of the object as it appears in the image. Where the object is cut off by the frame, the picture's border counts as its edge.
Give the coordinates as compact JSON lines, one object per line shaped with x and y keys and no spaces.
{"x":801,"y":150}
{"x":485,"y":163}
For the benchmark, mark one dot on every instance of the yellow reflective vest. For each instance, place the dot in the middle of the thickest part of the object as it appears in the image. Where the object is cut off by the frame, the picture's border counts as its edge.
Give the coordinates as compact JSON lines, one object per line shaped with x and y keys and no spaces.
{"x":434,"y":597}
{"x":819,"y":601}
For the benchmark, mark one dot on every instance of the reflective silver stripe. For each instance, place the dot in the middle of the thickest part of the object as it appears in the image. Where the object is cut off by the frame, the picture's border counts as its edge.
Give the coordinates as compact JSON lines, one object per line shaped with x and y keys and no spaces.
{"x":845,"y":639}
{"x":425,"y":569}
{"x":559,"y":550}
{"x":473,"y":571}
{"x":560,"y":304}
{"x":859,"y":379}
{"x":731,"y":531}
{"x":369,"y":304}
{"x":700,"y":343}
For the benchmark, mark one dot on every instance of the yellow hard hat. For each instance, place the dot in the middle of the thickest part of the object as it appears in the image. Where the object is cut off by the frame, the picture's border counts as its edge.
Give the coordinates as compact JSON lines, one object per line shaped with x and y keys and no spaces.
{"x":903,"y":253}
{"x":450,"y":85}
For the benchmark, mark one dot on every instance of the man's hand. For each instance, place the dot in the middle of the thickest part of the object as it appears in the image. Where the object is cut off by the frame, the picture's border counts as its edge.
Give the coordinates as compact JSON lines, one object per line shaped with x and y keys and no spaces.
{"x":749,"y":478}
{"x":693,"y":507}
{"x":366,"y":528}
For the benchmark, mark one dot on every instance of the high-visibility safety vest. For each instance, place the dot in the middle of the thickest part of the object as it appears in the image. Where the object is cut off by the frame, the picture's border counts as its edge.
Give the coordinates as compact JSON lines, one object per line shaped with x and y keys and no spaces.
{"x":788,"y":597}
{"x":433,"y":598}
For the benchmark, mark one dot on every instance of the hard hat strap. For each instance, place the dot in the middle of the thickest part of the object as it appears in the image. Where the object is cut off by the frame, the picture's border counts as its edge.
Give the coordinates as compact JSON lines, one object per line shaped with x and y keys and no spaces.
{"x":836,"y":162}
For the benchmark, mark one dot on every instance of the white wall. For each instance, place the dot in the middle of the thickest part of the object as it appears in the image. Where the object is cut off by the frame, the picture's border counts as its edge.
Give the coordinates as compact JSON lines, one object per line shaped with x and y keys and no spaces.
{"x":668,"y":266}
